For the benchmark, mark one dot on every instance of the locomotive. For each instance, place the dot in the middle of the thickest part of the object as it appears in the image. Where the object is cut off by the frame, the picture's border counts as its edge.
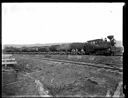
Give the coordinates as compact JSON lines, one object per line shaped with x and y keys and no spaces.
{"x":101,"y":47}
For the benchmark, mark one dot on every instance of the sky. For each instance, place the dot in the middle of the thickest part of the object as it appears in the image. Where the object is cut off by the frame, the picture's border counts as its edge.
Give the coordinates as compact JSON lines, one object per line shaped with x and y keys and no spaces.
{"x":42,"y":23}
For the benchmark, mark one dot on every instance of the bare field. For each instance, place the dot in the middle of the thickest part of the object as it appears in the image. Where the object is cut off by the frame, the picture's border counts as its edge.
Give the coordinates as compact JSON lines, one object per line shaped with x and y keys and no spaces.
{"x":63,"y":79}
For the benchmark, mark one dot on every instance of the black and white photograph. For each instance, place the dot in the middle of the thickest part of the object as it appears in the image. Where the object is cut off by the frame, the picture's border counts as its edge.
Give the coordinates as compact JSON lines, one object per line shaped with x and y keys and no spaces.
{"x":62,"y":49}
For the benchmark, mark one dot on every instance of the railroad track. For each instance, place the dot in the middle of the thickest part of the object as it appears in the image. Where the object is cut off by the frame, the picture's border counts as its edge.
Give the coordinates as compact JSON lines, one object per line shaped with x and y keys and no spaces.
{"x":49,"y":53}
{"x":113,"y":68}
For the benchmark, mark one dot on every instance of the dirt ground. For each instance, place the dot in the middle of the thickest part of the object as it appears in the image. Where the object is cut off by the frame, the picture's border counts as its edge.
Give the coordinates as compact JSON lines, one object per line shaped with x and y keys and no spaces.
{"x":63,"y":79}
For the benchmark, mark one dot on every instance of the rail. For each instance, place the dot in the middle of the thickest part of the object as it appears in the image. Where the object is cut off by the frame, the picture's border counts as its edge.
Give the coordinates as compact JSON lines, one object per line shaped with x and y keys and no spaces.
{"x":87,"y":64}
{"x":55,"y":53}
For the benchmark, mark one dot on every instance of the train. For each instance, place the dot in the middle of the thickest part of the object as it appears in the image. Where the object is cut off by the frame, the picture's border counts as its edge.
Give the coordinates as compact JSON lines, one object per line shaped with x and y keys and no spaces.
{"x":92,"y":47}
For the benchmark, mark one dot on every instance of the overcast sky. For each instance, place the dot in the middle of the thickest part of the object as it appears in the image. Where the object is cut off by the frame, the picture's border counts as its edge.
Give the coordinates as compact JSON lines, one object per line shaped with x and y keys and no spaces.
{"x":30,"y":23}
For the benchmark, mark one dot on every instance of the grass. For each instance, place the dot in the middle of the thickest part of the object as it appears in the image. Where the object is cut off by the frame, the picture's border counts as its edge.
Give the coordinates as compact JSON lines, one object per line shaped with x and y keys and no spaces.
{"x":62,"y":79}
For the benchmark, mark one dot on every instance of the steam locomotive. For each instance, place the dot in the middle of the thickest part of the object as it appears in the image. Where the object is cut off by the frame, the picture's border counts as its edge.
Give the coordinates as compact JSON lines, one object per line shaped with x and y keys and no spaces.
{"x":101,"y":47}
